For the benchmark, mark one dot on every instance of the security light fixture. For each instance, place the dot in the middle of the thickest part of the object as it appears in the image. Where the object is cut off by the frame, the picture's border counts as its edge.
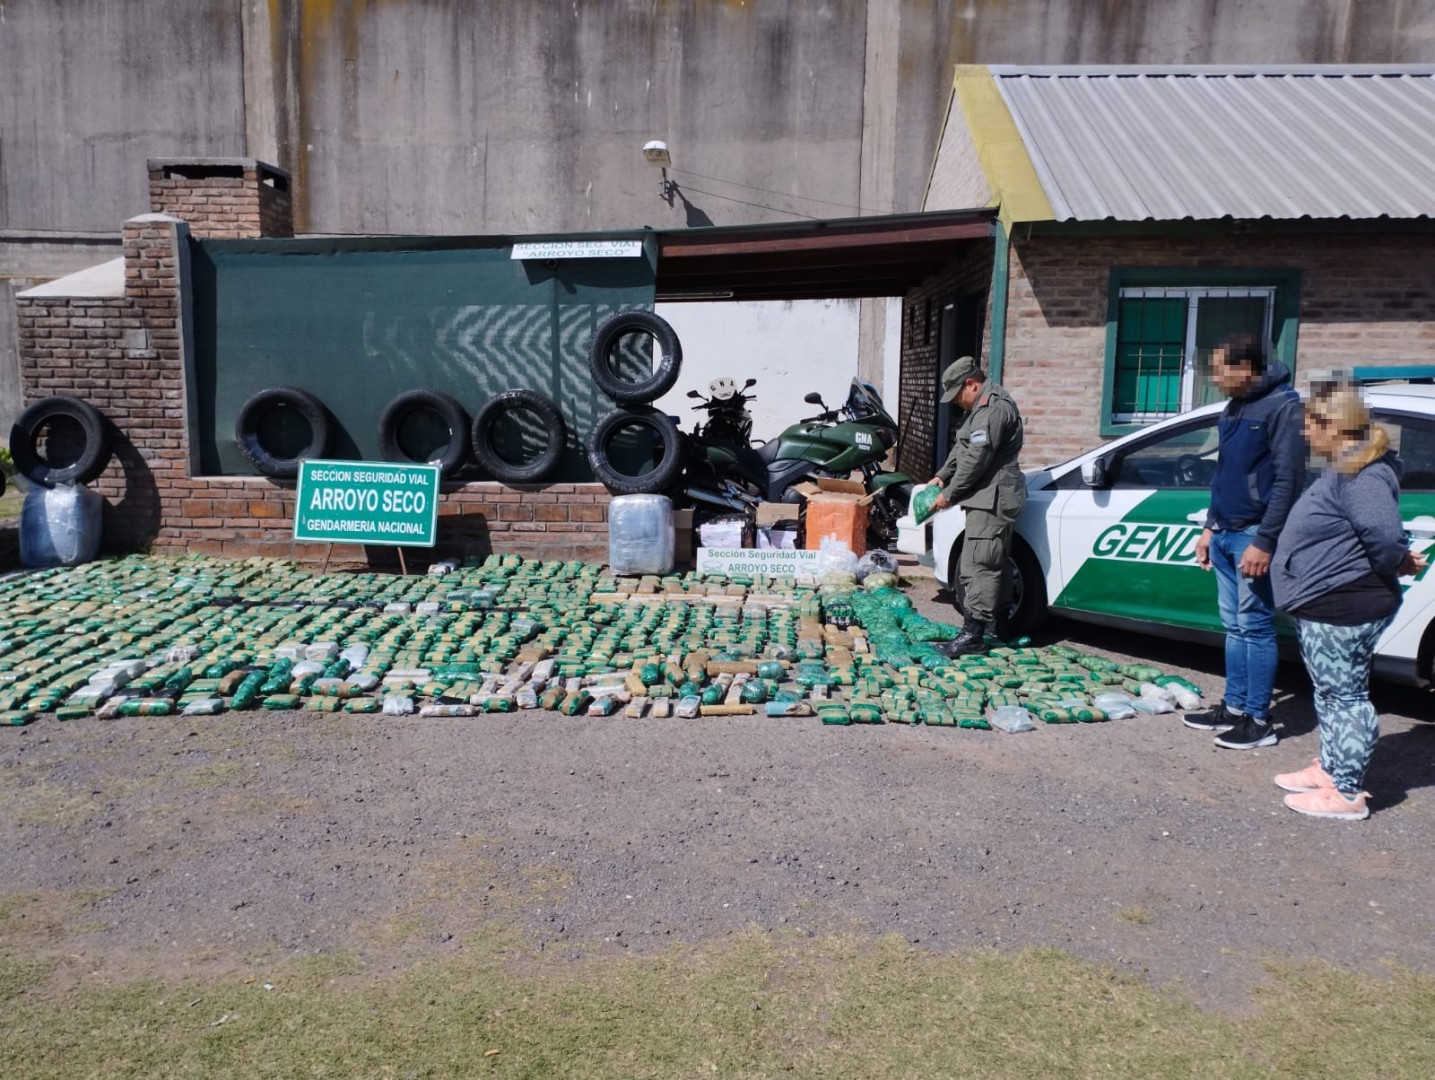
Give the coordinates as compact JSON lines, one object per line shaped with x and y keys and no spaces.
{"x":655,"y":152}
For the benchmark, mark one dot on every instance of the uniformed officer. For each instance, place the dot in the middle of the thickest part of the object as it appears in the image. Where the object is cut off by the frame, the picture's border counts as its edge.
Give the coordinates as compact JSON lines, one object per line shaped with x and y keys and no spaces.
{"x":982,"y":476}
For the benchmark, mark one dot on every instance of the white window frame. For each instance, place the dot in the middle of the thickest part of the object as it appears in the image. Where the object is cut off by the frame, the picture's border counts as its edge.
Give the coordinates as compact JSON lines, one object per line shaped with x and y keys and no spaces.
{"x":1193,"y":296}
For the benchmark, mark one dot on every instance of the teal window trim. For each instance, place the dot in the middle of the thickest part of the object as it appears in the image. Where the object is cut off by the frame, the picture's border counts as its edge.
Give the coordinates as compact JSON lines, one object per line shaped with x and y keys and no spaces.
{"x":1285,"y":315}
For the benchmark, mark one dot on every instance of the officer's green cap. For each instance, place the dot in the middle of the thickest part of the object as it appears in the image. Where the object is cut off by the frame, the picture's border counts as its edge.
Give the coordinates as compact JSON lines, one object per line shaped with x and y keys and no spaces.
{"x":957,"y":373}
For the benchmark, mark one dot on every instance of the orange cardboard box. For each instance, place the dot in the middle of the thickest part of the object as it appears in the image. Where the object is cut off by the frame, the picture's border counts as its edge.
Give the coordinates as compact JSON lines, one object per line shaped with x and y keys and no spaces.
{"x":840,"y":515}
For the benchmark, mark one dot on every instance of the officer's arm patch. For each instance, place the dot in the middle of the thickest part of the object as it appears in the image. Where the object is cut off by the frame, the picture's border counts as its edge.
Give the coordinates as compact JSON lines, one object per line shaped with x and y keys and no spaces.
{"x":979,"y":438}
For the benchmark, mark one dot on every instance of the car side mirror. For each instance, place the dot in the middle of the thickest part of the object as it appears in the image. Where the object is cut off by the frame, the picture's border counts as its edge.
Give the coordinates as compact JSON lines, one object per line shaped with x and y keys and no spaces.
{"x":1095,"y":473}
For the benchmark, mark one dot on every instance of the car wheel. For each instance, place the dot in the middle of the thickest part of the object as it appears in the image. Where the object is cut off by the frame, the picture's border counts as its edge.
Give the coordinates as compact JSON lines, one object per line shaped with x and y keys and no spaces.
{"x":1027,"y":611}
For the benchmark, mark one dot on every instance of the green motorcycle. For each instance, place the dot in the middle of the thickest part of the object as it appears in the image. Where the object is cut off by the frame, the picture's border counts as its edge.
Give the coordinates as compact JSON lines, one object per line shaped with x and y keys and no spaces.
{"x":722,"y":469}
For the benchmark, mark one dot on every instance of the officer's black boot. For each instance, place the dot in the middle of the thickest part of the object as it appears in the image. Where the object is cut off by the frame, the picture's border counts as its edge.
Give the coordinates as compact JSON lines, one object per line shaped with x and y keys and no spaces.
{"x":970,"y":640}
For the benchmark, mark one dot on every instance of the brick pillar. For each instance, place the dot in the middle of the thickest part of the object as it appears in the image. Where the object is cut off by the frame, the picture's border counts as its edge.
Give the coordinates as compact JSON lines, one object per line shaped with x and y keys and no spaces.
{"x":124,"y":354}
{"x":223,"y":198}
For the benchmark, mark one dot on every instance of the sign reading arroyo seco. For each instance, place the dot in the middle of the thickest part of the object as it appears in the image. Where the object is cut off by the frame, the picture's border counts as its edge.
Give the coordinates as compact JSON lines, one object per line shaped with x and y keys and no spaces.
{"x":364,"y":502}
{"x":746,"y":561}
{"x":578,"y":249}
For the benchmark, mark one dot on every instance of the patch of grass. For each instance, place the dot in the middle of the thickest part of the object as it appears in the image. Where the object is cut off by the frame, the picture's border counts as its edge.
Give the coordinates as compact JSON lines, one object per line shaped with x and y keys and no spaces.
{"x":756,"y":1005}
{"x":11,"y":503}
{"x":1136,"y":915}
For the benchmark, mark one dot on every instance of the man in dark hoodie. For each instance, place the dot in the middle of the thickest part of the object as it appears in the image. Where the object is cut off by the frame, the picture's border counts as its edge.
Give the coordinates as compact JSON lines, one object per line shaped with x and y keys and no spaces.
{"x":1260,"y":469}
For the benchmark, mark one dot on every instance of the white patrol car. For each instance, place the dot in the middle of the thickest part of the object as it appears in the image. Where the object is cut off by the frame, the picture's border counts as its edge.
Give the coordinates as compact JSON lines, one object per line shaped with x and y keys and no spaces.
{"x":1109,"y":537}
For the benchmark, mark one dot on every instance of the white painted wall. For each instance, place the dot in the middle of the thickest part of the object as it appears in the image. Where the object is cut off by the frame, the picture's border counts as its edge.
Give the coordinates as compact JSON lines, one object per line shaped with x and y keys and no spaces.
{"x":789,"y":347}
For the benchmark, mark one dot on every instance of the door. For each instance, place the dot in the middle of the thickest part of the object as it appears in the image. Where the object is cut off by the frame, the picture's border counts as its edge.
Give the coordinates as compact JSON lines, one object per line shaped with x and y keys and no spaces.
{"x":959,"y":334}
{"x":1129,"y":550}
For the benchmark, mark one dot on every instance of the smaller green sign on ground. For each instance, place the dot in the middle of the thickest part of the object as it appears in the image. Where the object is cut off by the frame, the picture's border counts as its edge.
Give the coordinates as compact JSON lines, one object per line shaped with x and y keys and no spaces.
{"x":363,"y":502}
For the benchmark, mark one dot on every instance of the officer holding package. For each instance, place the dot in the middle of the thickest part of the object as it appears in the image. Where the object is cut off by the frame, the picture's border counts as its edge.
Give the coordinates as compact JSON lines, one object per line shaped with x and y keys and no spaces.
{"x":982,"y":476}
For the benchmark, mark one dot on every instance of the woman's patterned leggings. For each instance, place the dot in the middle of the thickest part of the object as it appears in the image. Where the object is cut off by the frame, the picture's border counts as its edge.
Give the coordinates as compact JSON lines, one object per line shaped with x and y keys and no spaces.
{"x":1338,"y":659}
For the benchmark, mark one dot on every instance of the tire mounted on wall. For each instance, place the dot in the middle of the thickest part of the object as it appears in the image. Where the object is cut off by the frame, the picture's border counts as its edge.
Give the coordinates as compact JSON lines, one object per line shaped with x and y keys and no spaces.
{"x":657,"y":479}
{"x":246,"y":430}
{"x":485,"y":448}
{"x":94,"y":452}
{"x":600,"y":357}
{"x":448,"y":410}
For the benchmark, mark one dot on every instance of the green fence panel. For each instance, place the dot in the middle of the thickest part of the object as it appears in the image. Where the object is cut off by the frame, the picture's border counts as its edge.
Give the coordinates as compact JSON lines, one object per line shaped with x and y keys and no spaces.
{"x":358,"y":320}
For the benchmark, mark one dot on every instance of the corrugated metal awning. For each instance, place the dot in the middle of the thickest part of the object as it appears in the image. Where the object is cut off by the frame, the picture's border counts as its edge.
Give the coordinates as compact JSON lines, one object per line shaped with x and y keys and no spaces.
{"x":1173,"y":143}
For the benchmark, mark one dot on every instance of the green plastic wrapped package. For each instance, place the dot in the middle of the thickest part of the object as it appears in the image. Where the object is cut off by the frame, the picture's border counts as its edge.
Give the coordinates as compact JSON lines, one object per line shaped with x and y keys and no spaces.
{"x":924,"y":502}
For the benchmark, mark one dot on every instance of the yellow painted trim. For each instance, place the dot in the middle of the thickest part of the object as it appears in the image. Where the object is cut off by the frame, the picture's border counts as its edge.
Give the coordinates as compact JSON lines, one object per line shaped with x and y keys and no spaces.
{"x":1010,"y":174}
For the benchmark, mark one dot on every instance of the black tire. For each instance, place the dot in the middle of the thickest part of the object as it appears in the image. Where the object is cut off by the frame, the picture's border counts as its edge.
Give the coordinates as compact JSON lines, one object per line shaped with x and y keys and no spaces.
{"x":91,"y":437}
{"x":450,"y":414}
{"x":485,"y":445}
{"x":661,"y":476}
{"x":247,"y":430}
{"x":1028,"y":610}
{"x":610,"y":381}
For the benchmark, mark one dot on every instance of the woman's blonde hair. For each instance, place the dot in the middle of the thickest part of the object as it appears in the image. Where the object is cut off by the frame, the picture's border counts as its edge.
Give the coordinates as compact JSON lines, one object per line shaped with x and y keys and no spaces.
{"x":1343,"y":409}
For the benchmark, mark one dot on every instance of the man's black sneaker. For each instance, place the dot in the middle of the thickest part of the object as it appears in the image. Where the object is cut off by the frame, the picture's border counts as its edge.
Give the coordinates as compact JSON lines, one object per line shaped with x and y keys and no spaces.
{"x":1247,"y":735}
{"x":1218,"y":718}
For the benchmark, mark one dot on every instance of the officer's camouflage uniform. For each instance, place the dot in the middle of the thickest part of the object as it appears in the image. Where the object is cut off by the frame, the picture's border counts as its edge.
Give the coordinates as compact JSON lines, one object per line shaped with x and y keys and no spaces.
{"x":981,"y":475}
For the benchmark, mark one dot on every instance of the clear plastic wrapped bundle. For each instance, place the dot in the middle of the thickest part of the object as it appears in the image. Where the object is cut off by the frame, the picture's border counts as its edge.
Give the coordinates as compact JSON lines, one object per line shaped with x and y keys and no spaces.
{"x":640,"y":534}
{"x":60,"y":526}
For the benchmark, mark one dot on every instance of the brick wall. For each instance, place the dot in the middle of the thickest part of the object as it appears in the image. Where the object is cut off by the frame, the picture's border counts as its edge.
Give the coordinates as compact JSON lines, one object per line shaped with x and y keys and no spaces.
{"x":223,"y":199}
{"x":124,"y":355}
{"x":1364,"y":299}
{"x":969,"y":273}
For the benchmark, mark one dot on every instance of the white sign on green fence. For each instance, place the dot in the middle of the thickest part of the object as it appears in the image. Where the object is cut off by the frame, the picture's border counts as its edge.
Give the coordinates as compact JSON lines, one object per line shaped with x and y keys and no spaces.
{"x":365,"y":502}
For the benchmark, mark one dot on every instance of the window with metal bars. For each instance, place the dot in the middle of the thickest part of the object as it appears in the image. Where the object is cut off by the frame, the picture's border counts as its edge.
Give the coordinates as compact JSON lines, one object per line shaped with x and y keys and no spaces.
{"x":1164,"y":338}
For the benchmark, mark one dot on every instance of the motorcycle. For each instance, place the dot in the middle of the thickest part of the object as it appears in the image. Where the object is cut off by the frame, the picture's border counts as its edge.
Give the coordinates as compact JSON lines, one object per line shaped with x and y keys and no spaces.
{"x":724,"y":469}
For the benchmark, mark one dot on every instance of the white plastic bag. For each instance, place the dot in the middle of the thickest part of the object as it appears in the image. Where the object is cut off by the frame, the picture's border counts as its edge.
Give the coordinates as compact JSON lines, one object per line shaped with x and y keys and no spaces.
{"x":834,"y":556}
{"x":1010,"y":718}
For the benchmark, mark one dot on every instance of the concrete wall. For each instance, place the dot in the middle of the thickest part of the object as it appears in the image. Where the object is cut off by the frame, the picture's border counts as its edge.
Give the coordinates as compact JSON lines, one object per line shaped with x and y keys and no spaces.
{"x":508,"y":115}
{"x":791,"y":349}
{"x":452,"y":116}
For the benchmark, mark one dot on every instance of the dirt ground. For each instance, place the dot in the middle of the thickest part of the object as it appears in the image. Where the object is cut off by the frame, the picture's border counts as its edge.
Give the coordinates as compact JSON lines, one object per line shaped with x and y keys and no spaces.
{"x":201,"y":845}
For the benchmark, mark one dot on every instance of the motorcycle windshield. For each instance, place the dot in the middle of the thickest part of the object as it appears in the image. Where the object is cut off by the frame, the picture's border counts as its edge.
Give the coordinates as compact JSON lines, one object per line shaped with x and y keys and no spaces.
{"x":863,"y":400}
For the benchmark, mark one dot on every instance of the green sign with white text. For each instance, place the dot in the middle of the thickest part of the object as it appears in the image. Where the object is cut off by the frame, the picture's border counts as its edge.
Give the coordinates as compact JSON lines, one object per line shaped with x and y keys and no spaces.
{"x":364,"y":502}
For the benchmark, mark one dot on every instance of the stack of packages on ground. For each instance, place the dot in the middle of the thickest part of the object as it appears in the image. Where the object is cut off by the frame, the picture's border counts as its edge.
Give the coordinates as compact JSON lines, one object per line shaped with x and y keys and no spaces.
{"x":148,"y":636}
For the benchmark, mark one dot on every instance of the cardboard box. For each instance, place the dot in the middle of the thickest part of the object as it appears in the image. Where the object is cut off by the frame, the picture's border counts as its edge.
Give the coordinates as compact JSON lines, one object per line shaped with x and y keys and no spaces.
{"x":841,"y":515}
{"x":828,"y":486}
{"x":770,"y":513}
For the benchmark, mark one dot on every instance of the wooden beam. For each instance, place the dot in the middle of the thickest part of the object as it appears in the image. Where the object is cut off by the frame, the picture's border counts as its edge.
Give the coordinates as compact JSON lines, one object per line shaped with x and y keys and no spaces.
{"x":678,"y":247}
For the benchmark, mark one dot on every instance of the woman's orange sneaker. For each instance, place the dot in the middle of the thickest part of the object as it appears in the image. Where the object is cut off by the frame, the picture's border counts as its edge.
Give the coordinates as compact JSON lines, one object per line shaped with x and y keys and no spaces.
{"x":1329,"y":803}
{"x":1309,"y":779}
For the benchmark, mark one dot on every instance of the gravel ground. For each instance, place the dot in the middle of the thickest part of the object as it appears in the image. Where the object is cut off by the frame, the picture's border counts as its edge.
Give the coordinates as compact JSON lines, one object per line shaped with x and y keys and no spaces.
{"x":213,"y":844}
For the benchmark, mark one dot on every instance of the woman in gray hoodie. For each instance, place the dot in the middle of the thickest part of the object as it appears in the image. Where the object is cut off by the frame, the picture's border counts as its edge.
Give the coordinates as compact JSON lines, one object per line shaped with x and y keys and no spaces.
{"x":1336,"y":571}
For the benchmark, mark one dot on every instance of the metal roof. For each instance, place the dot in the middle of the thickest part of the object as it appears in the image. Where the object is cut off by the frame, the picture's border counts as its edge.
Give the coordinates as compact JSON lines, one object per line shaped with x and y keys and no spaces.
{"x":1170,"y":143}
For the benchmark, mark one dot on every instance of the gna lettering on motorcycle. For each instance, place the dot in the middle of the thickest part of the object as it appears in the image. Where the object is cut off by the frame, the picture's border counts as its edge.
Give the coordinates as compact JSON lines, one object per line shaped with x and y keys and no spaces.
{"x":1131,"y":542}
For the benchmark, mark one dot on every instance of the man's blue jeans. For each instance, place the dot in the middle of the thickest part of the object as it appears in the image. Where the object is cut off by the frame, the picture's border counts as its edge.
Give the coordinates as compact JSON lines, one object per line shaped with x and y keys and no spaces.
{"x":1248,"y":613}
